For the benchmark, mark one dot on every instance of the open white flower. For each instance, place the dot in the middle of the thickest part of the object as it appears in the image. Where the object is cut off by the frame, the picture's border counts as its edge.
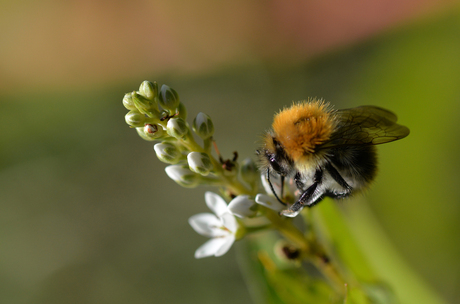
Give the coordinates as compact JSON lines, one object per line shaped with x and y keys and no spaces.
{"x":221,"y":227}
{"x":242,"y":206}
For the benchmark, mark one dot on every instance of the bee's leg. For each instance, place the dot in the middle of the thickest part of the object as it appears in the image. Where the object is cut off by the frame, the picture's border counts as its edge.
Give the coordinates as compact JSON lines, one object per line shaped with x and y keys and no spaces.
{"x":309,"y":197}
{"x":339,"y":179}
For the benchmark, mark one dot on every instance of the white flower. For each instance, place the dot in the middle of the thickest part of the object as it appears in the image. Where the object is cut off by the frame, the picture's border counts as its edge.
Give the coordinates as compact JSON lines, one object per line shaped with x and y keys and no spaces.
{"x":242,"y":206}
{"x":221,"y":227}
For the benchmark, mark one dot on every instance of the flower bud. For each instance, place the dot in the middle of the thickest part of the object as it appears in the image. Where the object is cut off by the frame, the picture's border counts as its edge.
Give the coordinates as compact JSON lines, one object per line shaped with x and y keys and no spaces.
{"x":142,"y":104}
{"x":128,"y":102}
{"x":287,"y":252}
{"x":183,"y":176}
{"x":199,"y":163}
{"x":148,"y":90}
{"x":145,"y":106}
{"x":249,"y":171}
{"x":135,"y":119}
{"x":182,"y":111}
{"x":168,"y":153}
{"x":177,"y":128}
{"x":141,"y":133}
{"x":203,"y":126}
{"x":169,"y":99}
{"x":154,"y":131}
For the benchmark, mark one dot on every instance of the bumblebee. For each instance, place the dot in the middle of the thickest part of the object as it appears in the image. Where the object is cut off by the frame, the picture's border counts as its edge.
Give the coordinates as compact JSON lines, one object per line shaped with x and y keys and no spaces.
{"x":327,"y":152}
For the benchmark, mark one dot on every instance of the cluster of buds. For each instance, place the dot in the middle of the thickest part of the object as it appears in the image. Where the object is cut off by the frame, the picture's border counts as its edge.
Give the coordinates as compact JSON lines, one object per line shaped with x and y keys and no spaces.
{"x":159,"y":115}
{"x":156,"y":114}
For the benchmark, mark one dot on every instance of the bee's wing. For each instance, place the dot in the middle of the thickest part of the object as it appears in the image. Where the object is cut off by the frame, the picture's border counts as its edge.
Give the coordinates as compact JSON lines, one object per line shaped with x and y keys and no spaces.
{"x":366,"y":125}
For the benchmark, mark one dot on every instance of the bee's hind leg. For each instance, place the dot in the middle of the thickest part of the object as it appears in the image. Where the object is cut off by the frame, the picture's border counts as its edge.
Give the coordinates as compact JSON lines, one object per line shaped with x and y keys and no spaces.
{"x":340,"y":180}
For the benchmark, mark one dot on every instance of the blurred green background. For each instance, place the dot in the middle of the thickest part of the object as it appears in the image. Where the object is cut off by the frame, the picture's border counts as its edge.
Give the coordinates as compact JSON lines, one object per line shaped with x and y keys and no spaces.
{"x":87,"y":214}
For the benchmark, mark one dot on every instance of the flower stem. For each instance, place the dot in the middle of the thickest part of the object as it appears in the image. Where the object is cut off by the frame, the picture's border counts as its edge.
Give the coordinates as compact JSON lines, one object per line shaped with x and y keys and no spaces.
{"x":286,"y":227}
{"x":310,"y":247}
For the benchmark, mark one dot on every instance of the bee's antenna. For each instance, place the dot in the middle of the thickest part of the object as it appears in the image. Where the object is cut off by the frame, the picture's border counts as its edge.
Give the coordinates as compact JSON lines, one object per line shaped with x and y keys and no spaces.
{"x":273,"y":190}
{"x":282,"y":186}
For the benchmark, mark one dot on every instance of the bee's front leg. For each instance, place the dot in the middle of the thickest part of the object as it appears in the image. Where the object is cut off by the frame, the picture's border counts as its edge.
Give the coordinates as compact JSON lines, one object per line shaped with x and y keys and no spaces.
{"x":309,"y":197}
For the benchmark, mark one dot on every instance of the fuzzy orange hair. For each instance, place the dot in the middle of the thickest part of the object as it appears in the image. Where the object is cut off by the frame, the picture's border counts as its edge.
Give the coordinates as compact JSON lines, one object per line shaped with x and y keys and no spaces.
{"x":303,"y":126}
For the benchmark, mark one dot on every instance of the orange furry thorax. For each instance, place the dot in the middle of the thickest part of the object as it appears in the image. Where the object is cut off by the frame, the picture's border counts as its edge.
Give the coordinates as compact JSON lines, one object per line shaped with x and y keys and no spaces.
{"x":303,"y":126}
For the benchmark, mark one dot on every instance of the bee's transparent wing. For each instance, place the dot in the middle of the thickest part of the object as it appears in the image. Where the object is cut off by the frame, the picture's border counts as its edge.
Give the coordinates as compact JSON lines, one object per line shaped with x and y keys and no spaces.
{"x":365,"y":125}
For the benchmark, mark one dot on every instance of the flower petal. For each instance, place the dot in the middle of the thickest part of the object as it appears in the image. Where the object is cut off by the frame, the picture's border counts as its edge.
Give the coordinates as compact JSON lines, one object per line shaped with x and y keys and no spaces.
{"x":229,"y":222}
{"x":212,"y":247}
{"x":276,"y":183}
{"x":269,"y":202}
{"x":207,"y":224}
{"x":229,"y":240}
{"x":242,"y":206}
{"x":216,"y":203}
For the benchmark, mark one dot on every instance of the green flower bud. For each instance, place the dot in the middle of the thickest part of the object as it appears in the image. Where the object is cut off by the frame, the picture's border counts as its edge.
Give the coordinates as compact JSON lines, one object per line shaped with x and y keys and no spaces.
{"x":199,"y":163}
{"x":168,"y":153}
{"x":151,"y":132}
{"x":249,"y":171}
{"x":141,"y":133}
{"x":183,"y":176}
{"x":148,"y":90}
{"x":177,"y":128}
{"x":154,"y":131}
{"x":203,"y":126}
{"x":135,"y":119}
{"x":169,"y":99}
{"x":182,"y":111}
{"x":128,"y":102}
{"x":145,"y":106}
{"x":142,"y":104}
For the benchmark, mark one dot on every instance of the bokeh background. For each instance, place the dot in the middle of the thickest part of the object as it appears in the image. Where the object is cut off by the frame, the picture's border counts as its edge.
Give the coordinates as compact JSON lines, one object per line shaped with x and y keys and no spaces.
{"x":87,"y":214}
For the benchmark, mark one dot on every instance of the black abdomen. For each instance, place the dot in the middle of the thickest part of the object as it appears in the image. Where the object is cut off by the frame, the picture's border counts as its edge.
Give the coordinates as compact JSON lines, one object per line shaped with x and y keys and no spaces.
{"x":358,"y":163}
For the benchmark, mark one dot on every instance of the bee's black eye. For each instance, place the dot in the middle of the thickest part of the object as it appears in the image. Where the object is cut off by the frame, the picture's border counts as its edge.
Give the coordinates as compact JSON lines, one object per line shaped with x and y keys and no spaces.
{"x":275,"y":164}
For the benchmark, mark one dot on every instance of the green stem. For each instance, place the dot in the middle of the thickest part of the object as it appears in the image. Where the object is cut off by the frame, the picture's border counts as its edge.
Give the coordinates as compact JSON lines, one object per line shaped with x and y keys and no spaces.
{"x":229,"y":181}
{"x":254,"y":229}
{"x":310,"y":247}
{"x":189,"y":142}
{"x":285,"y":226}
{"x":329,"y":271}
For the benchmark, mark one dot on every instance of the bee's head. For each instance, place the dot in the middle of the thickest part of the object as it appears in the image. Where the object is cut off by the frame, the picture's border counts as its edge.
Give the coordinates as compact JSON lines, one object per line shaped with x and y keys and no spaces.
{"x":302,"y":128}
{"x":296,"y":134}
{"x":272,"y":156}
